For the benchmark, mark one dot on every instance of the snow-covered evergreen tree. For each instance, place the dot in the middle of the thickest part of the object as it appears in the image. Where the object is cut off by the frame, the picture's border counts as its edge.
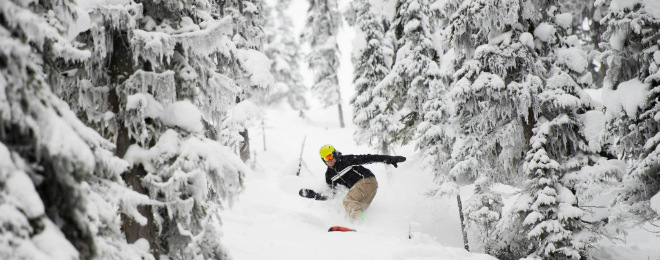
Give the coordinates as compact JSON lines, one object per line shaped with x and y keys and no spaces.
{"x":373,"y":109}
{"x":582,"y":19}
{"x":549,"y":208}
{"x":523,"y":70}
{"x":482,"y":213}
{"x":283,"y":49}
{"x":633,"y":56}
{"x":60,"y":185}
{"x":415,"y":71}
{"x":321,"y":28}
{"x":250,"y":69}
{"x":161,"y":72}
{"x":551,"y":218}
{"x":492,"y":93}
{"x":492,"y":114}
{"x":191,"y":178}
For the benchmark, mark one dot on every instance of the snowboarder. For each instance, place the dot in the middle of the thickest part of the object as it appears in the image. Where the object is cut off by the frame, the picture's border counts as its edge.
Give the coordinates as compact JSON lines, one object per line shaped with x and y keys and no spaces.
{"x":347,"y":170}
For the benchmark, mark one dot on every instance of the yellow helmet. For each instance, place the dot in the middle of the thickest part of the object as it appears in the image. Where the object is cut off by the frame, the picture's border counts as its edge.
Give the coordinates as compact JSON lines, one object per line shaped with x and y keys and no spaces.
{"x":327,"y":152}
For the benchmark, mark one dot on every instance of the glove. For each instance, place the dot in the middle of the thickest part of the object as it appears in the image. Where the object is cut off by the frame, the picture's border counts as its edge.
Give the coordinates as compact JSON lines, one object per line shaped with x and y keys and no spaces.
{"x":307,"y":193}
{"x":310,"y":194}
{"x":396,"y":159}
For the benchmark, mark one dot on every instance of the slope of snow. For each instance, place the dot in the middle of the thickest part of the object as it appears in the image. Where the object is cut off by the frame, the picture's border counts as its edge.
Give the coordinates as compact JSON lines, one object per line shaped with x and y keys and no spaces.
{"x":270,"y":220}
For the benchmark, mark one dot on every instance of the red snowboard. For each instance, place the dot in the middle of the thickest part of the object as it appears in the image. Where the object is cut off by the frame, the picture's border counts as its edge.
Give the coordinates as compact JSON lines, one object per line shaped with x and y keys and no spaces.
{"x":340,"y":228}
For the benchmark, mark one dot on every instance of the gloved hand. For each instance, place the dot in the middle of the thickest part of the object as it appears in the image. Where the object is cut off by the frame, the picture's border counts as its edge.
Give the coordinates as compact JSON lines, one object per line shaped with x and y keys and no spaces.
{"x":310,"y":194}
{"x":395,"y":159}
{"x":307,"y":193}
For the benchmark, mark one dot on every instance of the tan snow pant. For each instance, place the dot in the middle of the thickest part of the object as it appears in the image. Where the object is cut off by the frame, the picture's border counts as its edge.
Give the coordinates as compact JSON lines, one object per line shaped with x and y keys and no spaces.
{"x":360,"y":196}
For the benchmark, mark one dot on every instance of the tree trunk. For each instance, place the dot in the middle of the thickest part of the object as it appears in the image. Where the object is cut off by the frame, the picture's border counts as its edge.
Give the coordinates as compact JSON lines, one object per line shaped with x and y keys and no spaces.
{"x":263,"y":131}
{"x":302,"y":148}
{"x":133,"y":230}
{"x":460,"y":214}
{"x":528,"y":126}
{"x":120,"y":68}
{"x":384,"y":148}
{"x":245,"y":146}
{"x":341,"y":115}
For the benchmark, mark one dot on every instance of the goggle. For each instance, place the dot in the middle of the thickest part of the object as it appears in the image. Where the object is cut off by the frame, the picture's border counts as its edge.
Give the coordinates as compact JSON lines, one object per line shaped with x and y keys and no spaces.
{"x":328,"y":157}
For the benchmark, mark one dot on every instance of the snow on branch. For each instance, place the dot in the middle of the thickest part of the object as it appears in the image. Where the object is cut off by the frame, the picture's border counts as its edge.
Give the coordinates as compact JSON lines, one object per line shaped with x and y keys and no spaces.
{"x":38,"y":31}
{"x":257,"y":66}
{"x":117,"y":16}
{"x":155,"y":47}
{"x":214,"y":38}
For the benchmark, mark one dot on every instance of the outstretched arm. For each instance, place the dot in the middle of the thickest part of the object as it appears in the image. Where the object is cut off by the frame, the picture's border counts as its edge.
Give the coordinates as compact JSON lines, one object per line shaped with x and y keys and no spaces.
{"x":372,"y":158}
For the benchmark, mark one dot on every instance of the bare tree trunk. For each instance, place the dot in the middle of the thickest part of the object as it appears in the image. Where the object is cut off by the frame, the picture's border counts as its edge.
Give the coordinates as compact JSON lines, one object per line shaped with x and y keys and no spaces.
{"x":528,"y":126}
{"x":120,"y":68}
{"x":263,"y":131}
{"x":302,"y":148}
{"x":341,"y":115}
{"x":245,"y":146}
{"x":460,"y":214}
{"x":384,"y":148}
{"x":133,"y":230}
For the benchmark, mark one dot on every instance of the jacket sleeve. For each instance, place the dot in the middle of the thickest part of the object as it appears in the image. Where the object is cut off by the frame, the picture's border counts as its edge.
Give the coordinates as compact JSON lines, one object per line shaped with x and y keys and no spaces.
{"x":358,"y":159}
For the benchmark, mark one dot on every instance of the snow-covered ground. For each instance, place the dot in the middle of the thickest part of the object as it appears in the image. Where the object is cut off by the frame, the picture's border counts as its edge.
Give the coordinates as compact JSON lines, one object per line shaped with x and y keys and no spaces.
{"x":270,"y":220}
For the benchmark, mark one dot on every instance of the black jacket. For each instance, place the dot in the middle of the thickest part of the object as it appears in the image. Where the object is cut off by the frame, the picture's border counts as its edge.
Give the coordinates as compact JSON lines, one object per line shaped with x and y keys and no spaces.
{"x":352,"y":167}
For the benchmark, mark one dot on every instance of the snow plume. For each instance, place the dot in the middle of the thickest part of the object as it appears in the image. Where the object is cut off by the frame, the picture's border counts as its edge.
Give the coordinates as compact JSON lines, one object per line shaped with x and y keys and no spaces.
{"x":191,"y":178}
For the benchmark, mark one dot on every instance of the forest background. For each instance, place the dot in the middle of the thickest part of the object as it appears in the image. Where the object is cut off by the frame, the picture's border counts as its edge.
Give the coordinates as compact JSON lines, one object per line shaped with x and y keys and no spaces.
{"x":124,"y":124}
